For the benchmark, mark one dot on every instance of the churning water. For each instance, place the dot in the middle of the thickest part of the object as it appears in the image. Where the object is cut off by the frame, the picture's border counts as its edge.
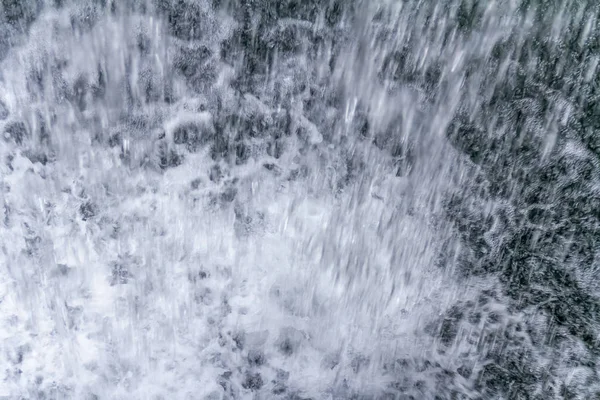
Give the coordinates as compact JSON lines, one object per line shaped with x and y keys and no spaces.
{"x":299,"y":199}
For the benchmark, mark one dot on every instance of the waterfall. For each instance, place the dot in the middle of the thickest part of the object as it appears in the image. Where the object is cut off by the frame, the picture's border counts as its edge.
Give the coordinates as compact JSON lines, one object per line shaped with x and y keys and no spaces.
{"x":299,"y":199}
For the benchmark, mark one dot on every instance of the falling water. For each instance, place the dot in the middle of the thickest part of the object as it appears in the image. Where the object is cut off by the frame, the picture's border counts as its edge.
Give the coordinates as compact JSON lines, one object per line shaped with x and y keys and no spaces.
{"x":284,"y":199}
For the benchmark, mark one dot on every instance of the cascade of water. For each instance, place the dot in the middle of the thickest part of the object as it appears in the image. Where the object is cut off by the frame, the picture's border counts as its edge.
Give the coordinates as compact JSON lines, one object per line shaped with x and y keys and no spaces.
{"x":293,"y":199}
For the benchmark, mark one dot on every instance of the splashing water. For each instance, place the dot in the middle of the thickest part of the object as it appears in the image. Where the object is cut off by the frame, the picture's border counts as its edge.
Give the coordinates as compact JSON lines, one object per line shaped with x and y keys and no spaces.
{"x":299,"y":199}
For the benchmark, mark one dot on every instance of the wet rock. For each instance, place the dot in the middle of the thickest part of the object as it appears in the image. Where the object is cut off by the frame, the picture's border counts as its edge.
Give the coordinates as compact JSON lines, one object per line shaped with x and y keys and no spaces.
{"x":224,"y":381}
{"x":404,"y":162}
{"x":154,"y":87}
{"x":225,"y":307}
{"x":16,"y":132}
{"x":276,"y":148}
{"x":226,"y":374}
{"x":37,"y":157}
{"x":16,"y":356}
{"x":215,"y":174}
{"x":8,"y":37}
{"x":289,"y":341}
{"x":298,"y":173}
{"x":494,"y":379}
{"x":61,"y":270}
{"x":4,"y":113}
{"x":220,"y":147}
{"x":396,"y":66}
{"x":33,"y":245}
{"x":247,"y":222}
{"x":169,"y":158}
{"x":195,"y":184}
{"x":115,"y":139}
{"x":228,"y":195}
{"x":358,"y":363}
{"x":493,"y":318}
{"x":273,"y":168}
{"x":198,"y":276}
{"x":469,"y":138}
{"x":192,"y":135}
{"x":120,"y":275}
{"x":474,"y":317}
{"x":282,"y":376}
{"x":468,"y":16}
{"x":204,"y":80}
{"x":420,"y":386}
{"x":191,"y":62}
{"x":330,"y":361}
{"x":297,"y":9}
{"x":256,"y":358}
{"x":187,"y":20}
{"x":287,"y":39}
{"x":242,"y":153}
{"x":464,"y":371}
{"x":88,"y":210}
{"x":80,"y":90}
{"x":252,"y":381}
{"x":21,"y":13}
{"x":239,"y":338}
{"x":450,"y":325}
{"x":279,"y":388}
{"x":98,"y":88}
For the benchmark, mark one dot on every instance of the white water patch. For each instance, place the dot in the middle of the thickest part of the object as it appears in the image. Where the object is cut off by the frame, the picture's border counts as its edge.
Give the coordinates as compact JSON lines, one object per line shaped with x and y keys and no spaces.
{"x":306,"y":264}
